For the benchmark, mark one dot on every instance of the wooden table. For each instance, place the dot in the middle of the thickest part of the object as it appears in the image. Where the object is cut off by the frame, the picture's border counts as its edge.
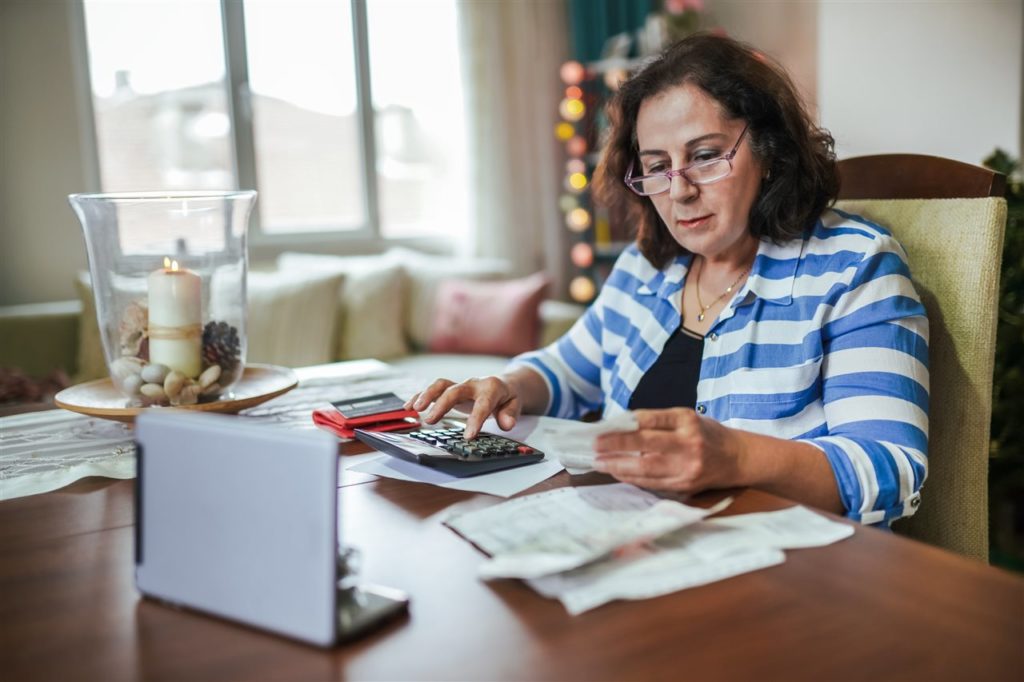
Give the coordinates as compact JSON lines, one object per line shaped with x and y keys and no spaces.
{"x":875,"y":606}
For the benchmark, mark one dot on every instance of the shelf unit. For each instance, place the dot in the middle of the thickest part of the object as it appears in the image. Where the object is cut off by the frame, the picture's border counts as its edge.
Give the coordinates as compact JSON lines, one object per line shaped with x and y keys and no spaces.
{"x":598,"y":235}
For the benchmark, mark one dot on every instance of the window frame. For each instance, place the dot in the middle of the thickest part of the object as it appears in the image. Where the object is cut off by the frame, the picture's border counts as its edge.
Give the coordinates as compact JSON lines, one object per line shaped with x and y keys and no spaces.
{"x":264,"y":245}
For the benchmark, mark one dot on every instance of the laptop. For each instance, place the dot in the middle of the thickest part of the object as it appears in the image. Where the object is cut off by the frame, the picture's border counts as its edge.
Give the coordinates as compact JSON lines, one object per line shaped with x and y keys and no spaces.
{"x":240,"y":521}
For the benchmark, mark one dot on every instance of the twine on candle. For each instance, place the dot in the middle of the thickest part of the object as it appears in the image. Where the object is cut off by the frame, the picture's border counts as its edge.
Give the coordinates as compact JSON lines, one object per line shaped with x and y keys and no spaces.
{"x":189,"y":331}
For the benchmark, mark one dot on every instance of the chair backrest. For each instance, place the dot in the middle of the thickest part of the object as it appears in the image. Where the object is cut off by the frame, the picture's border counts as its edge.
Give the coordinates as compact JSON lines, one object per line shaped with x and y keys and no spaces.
{"x":950,"y":218}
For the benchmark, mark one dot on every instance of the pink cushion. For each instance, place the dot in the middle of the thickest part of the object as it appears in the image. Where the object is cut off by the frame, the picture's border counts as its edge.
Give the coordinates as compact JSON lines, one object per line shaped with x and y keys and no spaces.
{"x":490,"y":318}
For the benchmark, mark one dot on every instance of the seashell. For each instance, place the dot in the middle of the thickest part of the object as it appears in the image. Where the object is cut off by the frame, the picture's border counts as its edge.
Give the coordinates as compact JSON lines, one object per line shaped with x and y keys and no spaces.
{"x":131,"y":384}
{"x":131,"y":343}
{"x":154,"y":391}
{"x":135,"y":316}
{"x":212,"y":389}
{"x":209,"y":376}
{"x":189,"y":395}
{"x":155,"y":373}
{"x":125,"y":367}
{"x":173,"y":383}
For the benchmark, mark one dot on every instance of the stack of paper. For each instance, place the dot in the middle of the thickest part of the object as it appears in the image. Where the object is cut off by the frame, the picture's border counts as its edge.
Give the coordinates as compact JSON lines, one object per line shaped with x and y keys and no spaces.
{"x":590,"y":545}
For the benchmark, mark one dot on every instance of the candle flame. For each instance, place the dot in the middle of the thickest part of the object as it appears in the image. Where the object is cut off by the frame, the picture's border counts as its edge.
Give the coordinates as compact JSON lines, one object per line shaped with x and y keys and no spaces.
{"x":171,"y":265}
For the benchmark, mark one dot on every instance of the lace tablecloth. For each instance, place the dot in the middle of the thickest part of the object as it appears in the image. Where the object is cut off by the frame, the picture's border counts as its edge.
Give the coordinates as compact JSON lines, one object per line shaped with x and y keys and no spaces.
{"x":43,"y":451}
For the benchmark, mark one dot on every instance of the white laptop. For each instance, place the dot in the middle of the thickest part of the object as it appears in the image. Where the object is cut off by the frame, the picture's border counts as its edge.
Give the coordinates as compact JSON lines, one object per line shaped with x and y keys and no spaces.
{"x":241,"y":521}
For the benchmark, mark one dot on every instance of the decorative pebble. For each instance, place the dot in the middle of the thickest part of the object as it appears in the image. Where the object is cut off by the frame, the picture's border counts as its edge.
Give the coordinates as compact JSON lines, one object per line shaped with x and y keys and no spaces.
{"x":189,"y":395}
{"x":125,"y":367}
{"x":209,"y":376}
{"x":173,"y":383}
{"x":154,"y":391}
{"x":154,"y":373}
{"x":131,"y":384}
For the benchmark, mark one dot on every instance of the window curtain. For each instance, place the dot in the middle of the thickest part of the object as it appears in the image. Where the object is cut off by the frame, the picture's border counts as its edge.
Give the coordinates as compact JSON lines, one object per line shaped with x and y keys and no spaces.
{"x":512,"y":52}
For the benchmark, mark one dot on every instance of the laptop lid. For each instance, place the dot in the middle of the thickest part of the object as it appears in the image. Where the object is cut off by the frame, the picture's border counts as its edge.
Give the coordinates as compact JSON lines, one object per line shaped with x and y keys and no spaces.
{"x":239,"y":520}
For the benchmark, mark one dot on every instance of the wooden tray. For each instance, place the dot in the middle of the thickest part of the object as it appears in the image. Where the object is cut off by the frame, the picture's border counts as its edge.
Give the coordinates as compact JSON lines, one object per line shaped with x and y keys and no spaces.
{"x":259,"y":383}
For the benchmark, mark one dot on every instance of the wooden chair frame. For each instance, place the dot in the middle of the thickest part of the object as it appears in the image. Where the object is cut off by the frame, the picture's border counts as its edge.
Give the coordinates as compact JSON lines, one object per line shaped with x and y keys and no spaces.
{"x":916,"y":176}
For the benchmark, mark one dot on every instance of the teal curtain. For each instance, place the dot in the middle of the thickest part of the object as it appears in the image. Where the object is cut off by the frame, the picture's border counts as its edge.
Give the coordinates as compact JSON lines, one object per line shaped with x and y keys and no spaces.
{"x":592,"y":22}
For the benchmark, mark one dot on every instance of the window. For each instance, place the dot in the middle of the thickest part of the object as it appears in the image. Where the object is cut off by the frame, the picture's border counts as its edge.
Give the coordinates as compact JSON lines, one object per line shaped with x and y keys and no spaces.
{"x":273,"y":94}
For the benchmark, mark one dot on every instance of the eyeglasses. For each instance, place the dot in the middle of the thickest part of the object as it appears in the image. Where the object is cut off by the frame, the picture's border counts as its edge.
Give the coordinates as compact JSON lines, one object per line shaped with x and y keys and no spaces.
{"x":699,"y":173}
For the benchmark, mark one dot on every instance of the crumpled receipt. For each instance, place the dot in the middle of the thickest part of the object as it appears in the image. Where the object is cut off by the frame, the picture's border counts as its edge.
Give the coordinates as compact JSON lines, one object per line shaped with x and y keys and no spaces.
{"x":573,"y":442}
{"x":566,"y":528}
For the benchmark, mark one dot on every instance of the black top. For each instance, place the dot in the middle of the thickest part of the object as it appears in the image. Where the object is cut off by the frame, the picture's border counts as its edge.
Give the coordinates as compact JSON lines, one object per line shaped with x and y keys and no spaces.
{"x":672,"y":379}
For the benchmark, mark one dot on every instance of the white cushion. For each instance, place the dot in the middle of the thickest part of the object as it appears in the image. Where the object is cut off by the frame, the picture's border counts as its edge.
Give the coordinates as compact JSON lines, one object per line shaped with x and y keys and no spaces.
{"x":370,"y":304}
{"x":292,"y":318}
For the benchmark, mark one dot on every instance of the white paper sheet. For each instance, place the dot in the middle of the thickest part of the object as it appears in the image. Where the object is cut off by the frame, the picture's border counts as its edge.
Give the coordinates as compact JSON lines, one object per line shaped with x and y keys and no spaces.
{"x":563,"y":529}
{"x":572,"y":442}
{"x":701,"y":553}
{"x":793,"y":528}
{"x":501,"y":483}
{"x":645,"y":574}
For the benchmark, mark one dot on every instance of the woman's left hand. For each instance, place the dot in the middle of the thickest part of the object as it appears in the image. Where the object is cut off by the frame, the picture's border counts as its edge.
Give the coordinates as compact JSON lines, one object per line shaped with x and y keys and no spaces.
{"x":678,"y":450}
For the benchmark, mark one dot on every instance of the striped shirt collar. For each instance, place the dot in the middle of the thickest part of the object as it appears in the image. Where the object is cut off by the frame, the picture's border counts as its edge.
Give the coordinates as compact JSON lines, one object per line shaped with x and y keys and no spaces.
{"x":771,"y":278}
{"x":774,"y":273}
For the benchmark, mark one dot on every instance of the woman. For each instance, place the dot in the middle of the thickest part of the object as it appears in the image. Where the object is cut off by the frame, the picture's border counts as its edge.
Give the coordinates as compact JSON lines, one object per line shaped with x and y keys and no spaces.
{"x":763,"y":339}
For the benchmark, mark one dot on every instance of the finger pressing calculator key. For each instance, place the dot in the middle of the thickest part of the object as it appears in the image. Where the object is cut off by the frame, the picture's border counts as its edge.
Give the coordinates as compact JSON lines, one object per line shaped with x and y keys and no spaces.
{"x":447,"y":450}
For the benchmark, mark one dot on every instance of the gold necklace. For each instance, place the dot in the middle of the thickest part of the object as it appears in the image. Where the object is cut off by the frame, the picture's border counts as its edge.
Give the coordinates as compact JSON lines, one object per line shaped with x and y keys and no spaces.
{"x":704,"y":308}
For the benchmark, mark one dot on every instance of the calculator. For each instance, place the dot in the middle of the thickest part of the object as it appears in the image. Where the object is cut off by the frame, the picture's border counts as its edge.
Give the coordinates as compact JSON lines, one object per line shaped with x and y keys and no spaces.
{"x":448,"y":451}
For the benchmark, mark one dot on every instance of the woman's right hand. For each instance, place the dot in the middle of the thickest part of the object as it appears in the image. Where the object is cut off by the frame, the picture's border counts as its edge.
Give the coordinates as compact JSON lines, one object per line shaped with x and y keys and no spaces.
{"x":480,"y":397}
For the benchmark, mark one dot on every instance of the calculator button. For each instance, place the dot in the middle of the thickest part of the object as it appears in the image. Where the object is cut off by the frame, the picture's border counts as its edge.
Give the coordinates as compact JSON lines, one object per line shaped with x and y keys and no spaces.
{"x":525,"y":449}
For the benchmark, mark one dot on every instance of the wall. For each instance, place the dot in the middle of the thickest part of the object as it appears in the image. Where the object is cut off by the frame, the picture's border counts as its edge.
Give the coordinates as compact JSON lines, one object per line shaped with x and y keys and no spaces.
{"x":784,"y":29}
{"x":941,"y":78}
{"x":41,"y":154}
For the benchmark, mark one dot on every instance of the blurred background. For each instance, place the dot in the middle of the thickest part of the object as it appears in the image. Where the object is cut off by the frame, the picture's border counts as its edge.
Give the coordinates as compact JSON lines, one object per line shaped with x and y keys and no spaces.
{"x":431,"y":122}
{"x":468,"y":127}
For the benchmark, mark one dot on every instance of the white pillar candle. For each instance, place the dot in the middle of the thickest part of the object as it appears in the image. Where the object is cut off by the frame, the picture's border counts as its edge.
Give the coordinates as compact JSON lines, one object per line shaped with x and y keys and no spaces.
{"x":175,"y":321}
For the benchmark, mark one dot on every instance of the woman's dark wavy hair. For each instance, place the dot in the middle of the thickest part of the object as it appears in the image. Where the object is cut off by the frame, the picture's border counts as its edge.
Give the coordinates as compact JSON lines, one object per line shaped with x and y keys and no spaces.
{"x":798,"y":155}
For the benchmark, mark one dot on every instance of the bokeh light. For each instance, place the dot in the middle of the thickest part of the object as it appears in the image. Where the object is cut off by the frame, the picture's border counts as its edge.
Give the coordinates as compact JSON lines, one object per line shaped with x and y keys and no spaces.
{"x":576,"y":146}
{"x":578,"y":219}
{"x":572,"y":109}
{"x":564,"y":131}
{"x":574,"y":92}
{"x":568,"y":202}
{"x":582,"y":289}
{"x":575,"y":166}
{"x":572,"y":73}
{"x":577,"y":181}
{"x":582,"y":255}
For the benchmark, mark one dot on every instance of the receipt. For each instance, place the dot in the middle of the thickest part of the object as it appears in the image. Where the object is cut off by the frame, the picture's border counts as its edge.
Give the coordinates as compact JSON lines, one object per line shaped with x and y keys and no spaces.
{"x":647,"y":574}
{"x":700,"y":553}
{"x":565,"y":528}
{"x":573,"y":442}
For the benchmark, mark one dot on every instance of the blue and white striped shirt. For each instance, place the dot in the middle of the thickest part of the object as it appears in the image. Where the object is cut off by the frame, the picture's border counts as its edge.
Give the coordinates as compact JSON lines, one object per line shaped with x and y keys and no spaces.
{"x":826,"y":342}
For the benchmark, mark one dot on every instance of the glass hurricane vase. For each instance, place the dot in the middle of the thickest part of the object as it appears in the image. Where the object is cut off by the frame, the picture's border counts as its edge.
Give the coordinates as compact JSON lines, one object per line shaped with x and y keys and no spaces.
{"x":168,"y":273}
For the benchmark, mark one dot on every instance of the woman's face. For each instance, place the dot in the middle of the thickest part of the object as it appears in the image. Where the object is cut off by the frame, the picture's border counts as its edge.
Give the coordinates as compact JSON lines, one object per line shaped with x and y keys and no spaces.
{"x":683,"y":125}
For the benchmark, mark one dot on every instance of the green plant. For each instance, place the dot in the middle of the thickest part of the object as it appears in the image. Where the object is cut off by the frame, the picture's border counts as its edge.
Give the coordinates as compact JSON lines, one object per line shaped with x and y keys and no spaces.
{"x":1006,"y":473}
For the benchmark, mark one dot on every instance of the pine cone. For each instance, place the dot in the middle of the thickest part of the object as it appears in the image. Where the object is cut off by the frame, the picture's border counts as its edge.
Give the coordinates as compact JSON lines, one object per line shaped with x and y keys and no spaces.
{"x":221,"y":346}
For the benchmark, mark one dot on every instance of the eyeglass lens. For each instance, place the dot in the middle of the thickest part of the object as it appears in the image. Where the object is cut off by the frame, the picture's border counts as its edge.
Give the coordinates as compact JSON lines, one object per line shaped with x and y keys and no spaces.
{"x":700,"y":174}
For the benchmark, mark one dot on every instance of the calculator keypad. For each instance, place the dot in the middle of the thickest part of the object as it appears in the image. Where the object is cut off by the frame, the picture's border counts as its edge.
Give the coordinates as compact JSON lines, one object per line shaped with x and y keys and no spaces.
{"x":484,"y":446}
